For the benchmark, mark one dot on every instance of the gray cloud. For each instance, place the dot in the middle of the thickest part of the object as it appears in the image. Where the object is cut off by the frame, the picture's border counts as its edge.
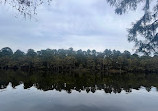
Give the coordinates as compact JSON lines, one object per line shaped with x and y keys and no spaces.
{"x":80,"y":24}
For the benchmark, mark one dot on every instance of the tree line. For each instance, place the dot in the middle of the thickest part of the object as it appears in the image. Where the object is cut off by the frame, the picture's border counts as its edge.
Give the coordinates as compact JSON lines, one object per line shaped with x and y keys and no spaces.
{"x":71,"y":60}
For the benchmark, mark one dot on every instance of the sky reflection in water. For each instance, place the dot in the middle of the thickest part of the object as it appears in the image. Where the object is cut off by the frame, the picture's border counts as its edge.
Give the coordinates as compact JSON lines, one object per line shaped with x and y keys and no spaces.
{"x":20,"y":99}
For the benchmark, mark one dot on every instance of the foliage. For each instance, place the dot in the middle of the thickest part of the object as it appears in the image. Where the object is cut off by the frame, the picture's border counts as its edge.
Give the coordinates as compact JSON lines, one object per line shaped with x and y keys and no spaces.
{"x":27,"y":8}
{"x":70,"y":60}
{"x":145,"y":27}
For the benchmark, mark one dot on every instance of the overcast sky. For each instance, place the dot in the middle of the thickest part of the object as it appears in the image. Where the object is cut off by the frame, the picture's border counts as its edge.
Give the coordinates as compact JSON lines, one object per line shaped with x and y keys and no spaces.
{"x":81,"y":24}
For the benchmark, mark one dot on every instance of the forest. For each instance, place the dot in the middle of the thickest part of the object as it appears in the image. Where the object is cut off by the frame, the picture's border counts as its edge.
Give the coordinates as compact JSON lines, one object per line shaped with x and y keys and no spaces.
{"x":60,"y":60}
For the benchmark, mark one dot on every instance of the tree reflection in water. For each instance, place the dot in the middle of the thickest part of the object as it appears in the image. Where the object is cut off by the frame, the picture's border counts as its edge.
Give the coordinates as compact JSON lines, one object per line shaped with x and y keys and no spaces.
{"x":89,"y":82}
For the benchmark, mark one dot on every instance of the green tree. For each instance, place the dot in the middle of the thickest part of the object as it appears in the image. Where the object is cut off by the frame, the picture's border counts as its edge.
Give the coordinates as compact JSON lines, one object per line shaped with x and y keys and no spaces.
{"x":18,"y":53}
{"x":6,"y":51}
{"x":145,"y":27}
{"x":31,"y":53}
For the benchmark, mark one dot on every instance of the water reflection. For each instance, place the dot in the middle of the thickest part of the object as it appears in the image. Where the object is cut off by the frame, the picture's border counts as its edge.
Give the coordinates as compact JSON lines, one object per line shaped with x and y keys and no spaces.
{"x":89,"y":82}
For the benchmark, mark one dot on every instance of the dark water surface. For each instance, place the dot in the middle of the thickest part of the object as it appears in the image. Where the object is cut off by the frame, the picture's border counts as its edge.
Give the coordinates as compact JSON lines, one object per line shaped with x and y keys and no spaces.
{"x":45,"y":91}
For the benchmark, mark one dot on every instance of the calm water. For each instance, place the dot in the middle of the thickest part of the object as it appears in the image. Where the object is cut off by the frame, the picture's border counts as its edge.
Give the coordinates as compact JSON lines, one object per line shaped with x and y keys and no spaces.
{"x":45,"y":91}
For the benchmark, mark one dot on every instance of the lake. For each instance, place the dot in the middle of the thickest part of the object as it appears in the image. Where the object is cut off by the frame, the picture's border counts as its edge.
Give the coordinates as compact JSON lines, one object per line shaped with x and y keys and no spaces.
{"x":47,"y":91}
